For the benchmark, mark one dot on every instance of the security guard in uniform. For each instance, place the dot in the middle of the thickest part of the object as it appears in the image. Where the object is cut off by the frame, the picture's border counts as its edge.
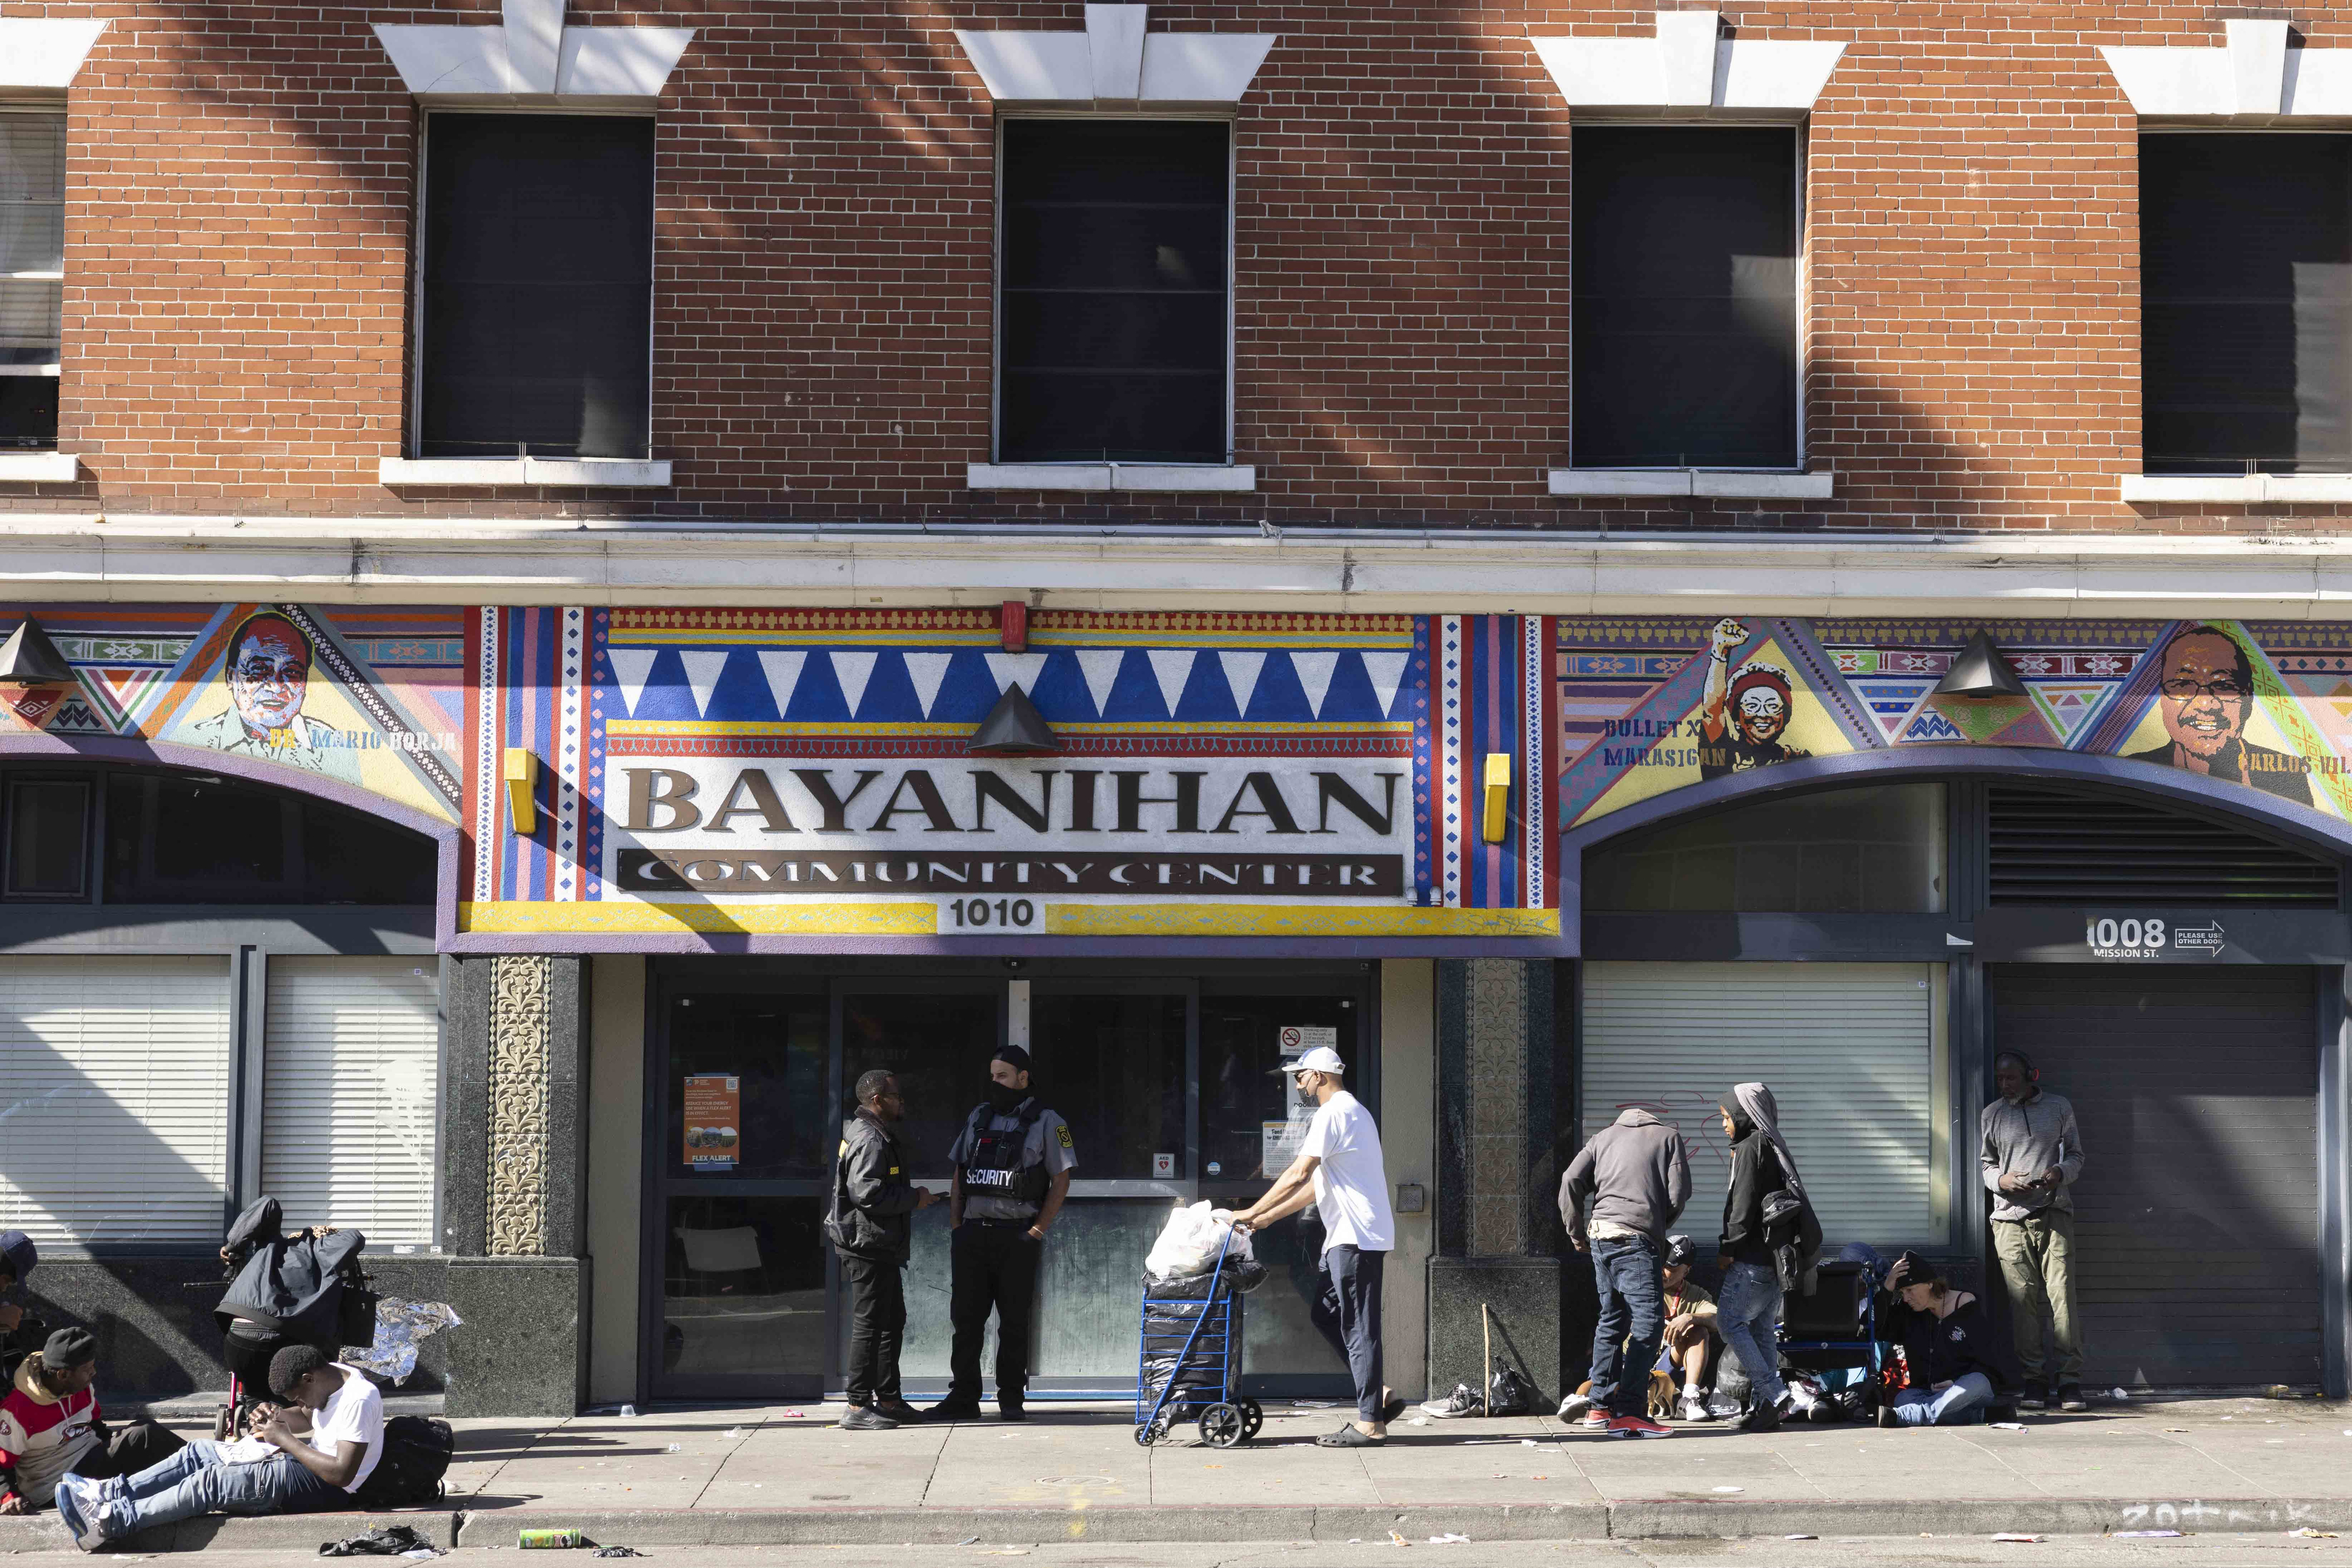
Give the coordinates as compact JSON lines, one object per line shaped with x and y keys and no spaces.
{"x":1013,"y":1163}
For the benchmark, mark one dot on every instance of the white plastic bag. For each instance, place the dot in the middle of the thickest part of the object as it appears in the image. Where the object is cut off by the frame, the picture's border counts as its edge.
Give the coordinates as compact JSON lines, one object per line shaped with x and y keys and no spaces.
{"x":1189,"y":1243}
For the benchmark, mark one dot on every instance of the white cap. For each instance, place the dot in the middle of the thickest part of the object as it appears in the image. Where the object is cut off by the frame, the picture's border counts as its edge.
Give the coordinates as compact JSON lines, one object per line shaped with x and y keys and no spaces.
{"x":1322,"y":1059}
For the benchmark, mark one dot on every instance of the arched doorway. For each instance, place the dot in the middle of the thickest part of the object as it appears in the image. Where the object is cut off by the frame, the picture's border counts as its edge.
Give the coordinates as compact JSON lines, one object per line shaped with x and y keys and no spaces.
{"x":1868,"y":943}
{"x":210,"y":987}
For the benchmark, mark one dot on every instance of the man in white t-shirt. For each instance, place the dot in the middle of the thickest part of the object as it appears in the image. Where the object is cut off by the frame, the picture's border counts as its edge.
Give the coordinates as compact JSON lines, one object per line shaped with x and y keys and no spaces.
{"x":1339,"y":1171}
{"x":312,"y":1453}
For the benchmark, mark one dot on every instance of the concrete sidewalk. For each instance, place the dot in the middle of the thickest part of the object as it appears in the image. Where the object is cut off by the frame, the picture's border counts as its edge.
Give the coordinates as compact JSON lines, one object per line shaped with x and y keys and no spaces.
{"x":756,"y":1476}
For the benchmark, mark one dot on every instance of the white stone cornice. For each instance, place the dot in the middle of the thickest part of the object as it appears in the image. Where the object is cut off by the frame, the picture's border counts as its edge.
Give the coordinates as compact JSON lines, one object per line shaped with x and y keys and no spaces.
{"x":1115,"y":61}
{"x":533,"y":58}
{"x":2252,"y":77}
{"x":42,"y":54}
{"x":472,"y":561}
{"x":1690,"y":69}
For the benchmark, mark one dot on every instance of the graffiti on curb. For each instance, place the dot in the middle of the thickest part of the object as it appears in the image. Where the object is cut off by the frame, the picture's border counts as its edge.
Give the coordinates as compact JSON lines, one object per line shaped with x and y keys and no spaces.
{"x":2201,"y":1512}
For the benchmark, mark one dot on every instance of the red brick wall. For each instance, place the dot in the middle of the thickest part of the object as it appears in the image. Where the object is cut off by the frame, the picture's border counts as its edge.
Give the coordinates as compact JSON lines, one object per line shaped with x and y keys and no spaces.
{"x":240,"y":197}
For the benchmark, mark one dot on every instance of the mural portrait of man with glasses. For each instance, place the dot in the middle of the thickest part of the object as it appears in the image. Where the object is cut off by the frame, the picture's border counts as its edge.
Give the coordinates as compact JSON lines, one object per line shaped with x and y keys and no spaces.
{"x":268,"y":676}
{"x":2205,"y":690}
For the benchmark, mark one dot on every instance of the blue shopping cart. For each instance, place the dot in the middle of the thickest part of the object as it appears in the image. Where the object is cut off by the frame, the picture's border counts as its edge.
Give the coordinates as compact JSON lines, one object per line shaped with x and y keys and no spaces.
{"x":1191,"y":1359}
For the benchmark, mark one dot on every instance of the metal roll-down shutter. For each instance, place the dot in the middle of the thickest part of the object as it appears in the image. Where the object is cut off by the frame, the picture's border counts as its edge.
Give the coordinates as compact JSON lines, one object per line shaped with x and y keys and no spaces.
{"x":2197,"y":1214}
{"x":1848,"y":1050}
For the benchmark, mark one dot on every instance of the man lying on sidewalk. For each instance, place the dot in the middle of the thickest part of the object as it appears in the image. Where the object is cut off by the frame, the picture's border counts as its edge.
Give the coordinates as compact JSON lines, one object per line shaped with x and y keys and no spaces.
{"x":49,"y":1425}
{"x":308,"y":1460}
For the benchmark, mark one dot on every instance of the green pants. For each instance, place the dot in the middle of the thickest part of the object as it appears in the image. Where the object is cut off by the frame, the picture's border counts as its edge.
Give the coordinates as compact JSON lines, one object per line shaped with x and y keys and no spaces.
{"x":2037,"y":1264}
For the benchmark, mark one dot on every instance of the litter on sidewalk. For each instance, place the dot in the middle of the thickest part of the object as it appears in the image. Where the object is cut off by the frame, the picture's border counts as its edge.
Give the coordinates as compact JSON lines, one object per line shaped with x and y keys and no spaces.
{"x":2016,"y":1538}
{"x":2148,"y":1534}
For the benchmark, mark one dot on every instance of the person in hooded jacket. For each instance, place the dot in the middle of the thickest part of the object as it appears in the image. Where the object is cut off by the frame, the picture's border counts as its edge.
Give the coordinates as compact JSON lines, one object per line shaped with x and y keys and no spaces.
{"x":21,"y":1333}
{"x":1636,"y":1174}
{"x":1748,"y":1307}
{"x":49,"y":1426}
{"x":1959,"y":1365}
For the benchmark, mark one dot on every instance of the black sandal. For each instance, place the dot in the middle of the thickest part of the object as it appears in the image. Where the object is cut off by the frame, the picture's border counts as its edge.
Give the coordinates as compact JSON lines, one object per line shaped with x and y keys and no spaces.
{"x":1348,"y":1437}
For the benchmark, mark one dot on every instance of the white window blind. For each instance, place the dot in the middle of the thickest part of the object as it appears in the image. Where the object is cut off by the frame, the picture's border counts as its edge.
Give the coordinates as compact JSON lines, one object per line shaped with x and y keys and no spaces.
{"x":1848,"y":1050}
{"x":351,"y":1094}
{"x":114,"y":1098}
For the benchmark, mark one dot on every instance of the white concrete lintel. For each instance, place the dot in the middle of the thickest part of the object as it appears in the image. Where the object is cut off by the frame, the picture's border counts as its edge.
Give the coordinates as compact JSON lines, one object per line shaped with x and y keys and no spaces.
{"x":43,"y":54}
{"x":1237,"y":479}
{"x":429,"y":556}
{"x":1689,"y":70}
{"x":39,"y":468}
{"x":592,"y":65}
{"x":2252,"y":77}
{"x":1723,"y":484}
{"x":2314,"y":490}
{"x":526,"y":473}
{"x":1115,"y":60}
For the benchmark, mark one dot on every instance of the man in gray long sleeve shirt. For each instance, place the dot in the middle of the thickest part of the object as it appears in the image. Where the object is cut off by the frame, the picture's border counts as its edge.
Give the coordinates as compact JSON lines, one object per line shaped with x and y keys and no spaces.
{"x":2032,"y":1152}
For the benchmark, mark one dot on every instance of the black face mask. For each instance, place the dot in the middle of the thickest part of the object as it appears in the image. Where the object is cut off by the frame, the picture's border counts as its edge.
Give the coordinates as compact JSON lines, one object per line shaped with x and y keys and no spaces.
{"x":1003,"y":1100}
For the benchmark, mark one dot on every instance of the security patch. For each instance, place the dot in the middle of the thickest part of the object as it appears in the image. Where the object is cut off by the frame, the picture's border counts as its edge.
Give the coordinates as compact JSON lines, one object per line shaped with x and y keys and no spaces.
{"x":1063,"y":1132}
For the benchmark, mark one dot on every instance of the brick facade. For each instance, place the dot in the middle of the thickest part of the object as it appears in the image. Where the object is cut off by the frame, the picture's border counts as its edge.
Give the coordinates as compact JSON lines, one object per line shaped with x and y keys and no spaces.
{"x":240,"y":209}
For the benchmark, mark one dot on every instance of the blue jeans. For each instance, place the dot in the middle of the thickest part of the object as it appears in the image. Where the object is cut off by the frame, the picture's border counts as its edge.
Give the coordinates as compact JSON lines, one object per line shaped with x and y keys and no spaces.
{"x":1747,"y":1315}
{"x":194,"y":1481}
{"x":1922,"y":1407}
{"x":1348,"y":1313}
{"x":1633,"y":1322}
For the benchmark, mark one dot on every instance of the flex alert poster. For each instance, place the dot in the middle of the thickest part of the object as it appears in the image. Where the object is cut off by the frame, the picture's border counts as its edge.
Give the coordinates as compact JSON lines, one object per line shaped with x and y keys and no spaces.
{"x":807,"y":773}
{"x":1650,"y":705}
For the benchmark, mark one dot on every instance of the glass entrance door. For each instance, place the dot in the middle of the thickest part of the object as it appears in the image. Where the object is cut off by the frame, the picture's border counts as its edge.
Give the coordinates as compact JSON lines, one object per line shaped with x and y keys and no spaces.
{"x":1167,"y":1083}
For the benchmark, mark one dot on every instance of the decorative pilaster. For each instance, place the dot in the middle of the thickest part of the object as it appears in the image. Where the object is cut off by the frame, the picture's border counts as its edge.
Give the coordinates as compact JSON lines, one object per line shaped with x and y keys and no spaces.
{"x":521,"y":1047}
{"x":1496,"y":1083}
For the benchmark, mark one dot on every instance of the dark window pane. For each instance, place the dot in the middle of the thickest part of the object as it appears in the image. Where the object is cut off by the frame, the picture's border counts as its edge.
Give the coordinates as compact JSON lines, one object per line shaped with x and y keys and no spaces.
{"x":29,"y":412}
{"x":49,"y":838}
{"x":774,"y":1049}
{"x":537,"y":284}
{"x":184,"y":838}
{"x":742,"y":1298}
{"x":938,"y":1045}
{"x":1877,"y":850}
{"x":1685,"y":297}
{"x":2246,"y":317}
{"x":1243,"y":1104}
{"x":1112,"y":314}
{"x":1114,"y":1067}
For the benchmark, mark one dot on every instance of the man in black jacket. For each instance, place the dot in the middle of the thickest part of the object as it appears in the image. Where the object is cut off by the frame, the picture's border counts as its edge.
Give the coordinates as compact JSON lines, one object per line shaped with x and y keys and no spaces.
{"x":871,"y":1234}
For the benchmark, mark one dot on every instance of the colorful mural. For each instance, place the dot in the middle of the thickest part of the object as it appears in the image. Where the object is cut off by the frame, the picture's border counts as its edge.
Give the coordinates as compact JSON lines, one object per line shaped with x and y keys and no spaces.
{"x":374,"y":698}
{"x":806,"y":772}
{"x":1652,"y":704}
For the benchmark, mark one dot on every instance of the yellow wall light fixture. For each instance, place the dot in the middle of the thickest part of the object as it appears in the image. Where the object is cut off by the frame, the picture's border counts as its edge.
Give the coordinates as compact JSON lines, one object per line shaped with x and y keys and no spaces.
{"x":1496,"y":817}
{"x":521,"y":774}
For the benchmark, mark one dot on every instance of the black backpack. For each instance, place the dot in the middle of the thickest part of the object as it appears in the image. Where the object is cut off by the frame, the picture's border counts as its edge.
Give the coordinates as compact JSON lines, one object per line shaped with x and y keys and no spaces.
{"x":417,"y":1454}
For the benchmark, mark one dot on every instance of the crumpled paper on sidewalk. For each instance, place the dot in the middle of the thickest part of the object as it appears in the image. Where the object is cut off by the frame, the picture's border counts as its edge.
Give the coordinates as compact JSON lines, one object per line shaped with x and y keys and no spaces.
{"x":399,"y":1325}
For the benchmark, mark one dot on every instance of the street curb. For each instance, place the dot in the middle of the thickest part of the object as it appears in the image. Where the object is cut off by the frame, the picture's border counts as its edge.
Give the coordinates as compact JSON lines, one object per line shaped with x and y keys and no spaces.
{"x":1657,"y":1518}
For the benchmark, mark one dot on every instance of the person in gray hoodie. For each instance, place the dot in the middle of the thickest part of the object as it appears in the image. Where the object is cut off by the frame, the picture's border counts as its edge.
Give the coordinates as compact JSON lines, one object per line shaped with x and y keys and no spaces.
{"x":1635,"y":1173}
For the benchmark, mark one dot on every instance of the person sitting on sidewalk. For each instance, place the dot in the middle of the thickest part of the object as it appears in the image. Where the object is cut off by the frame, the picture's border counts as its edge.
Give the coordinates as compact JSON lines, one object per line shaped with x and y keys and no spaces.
{"x":1960,"y":1373}
{"x":1688,"y":1348}
{"x":49,"y":1425}
{"x":309,"y":1459}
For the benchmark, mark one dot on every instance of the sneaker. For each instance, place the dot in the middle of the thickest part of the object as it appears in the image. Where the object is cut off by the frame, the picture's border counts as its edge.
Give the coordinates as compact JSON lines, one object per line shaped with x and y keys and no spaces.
{"x":2070,"y":1397}
{"x":860,"y":1418}
{"x":1596,"y":1420}
{"x":1010,"y":1412}
{"x":1463,"y":1401}
{"x":1886,"y":1421}
{"x":953,"y":1410}
{"x":898,"y":1410}
{"x":1573,"y":1406}
{"x":1692,"y":1408}
{"x":2035,"y":1397}
{"x":1638,"y":1427}
{"x":1721,"y":1408}
{"x":1763,"y":1418}
{"x":1999,"y":1410}
{"x":83,"y":1520}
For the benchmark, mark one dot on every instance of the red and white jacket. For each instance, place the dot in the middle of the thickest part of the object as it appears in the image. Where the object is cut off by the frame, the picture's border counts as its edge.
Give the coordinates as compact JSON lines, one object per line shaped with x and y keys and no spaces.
{"x":41,"y":1435}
